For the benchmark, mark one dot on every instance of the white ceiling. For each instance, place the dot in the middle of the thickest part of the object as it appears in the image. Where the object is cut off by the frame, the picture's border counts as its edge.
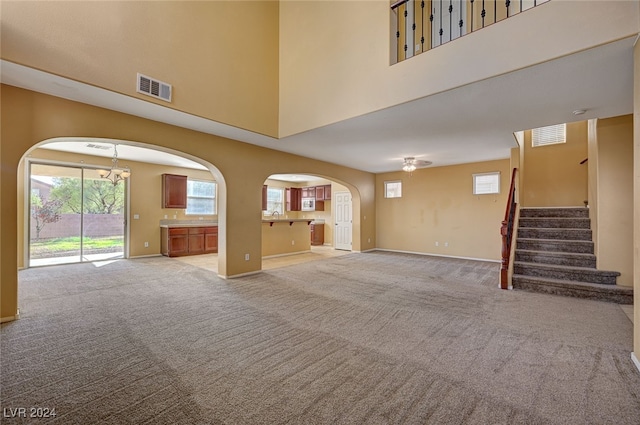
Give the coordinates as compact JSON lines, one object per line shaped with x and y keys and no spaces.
{"x":468,"y":124}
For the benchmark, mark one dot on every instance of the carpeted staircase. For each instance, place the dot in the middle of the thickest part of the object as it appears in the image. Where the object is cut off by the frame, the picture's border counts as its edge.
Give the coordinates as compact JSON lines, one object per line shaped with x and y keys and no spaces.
{"x":555,"y":254}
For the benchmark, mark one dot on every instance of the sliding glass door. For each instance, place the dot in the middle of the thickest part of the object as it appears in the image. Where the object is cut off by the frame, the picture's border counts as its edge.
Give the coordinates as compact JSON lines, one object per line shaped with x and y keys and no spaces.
{"x":74,"y":215}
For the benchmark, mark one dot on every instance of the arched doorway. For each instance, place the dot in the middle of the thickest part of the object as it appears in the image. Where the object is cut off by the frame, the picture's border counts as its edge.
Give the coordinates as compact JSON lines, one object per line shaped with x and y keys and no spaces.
{"x":299,"y":216}
{"x":142,"y":212}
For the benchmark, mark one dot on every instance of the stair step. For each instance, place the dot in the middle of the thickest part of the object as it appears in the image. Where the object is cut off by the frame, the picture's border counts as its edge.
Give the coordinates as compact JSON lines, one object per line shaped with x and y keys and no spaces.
{"x":594,"y":291}
{"x":566,"y":234}
{"x":570,"y":259}
{"x":555,"y":222}
{"x":578,"y":274}
{"x":555,"y":245}
{"x":555,"y":212}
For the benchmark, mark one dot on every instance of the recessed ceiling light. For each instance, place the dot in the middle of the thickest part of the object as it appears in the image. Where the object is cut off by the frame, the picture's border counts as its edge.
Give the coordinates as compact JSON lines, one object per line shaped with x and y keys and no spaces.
{"x":579,"y":111}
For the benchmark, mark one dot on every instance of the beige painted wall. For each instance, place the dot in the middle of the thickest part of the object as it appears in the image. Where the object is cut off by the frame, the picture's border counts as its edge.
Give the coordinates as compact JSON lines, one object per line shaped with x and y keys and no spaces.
{"x":438,"y":205}
{"x":346,"y":70}
{"x":553,"y":176}
{"x":614,"y":247}
{"x":35,"y":117}
{"x":636,"y":201}
{"x":592,"y":167}
{"x":145,"y":187}
{"x":220,"y":56}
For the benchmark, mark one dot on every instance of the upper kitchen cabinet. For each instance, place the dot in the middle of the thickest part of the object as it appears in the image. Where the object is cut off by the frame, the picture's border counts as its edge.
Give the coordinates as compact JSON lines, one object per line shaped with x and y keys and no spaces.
{"x":265,"y":191}
{"x":174,"y":191}
{"x":322,"y":193}
{"x":327,"y":192}
{"x":293,"y":198}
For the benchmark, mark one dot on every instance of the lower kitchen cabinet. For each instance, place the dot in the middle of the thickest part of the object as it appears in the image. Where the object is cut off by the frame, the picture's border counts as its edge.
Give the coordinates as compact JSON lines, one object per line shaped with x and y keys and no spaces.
{"x":317,"y":234}
{"x":179,"y":241}
{"x":196,"y":240}
{"x":210,"y":240}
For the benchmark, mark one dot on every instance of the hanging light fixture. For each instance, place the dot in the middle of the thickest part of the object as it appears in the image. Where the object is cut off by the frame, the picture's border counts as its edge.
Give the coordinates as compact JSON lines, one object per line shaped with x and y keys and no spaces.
{"x":115,"y":173}
{"x":409,"y":164}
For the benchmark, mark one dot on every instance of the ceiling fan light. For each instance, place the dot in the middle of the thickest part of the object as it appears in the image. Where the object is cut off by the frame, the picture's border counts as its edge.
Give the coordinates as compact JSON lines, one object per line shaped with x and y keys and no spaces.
{"x":103,"y":173}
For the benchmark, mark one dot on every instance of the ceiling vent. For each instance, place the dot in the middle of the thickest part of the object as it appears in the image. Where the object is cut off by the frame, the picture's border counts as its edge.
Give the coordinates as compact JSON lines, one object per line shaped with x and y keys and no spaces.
{"x":154,"y":88}
{"x":101,"y":147}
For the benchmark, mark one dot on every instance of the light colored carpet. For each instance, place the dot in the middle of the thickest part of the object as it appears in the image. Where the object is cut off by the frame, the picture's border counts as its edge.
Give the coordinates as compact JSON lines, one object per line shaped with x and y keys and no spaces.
{"x":369,"y":338}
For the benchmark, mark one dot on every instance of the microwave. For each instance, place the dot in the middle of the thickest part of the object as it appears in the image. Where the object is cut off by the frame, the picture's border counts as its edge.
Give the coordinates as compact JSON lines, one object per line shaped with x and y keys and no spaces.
{"x":308,"y":204}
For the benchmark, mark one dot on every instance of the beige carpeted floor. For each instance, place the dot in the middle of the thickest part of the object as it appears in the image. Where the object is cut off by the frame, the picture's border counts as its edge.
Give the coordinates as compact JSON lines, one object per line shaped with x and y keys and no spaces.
{"x":369,"y":338}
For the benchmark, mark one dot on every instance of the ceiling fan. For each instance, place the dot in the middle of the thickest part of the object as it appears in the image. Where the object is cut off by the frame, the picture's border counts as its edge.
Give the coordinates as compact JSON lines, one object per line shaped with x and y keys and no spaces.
{"x":410,"y":164}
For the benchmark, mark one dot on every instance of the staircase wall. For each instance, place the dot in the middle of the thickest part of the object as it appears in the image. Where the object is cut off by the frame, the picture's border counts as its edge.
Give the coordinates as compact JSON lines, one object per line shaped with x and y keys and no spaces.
{"x":611,"y":150}
{"x":554,"y":176}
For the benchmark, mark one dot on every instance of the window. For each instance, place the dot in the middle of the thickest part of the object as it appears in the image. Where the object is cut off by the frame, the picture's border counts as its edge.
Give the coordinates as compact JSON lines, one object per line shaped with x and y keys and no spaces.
{"x":486,"y":183}
{"x":275,"y":200}
{"x":393,"y":189}
{"x":549,"y":135}
{"x":201,"y":197}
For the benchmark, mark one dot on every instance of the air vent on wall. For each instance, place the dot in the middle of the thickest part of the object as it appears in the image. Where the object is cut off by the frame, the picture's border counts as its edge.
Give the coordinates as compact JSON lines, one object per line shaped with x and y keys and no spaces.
{"x":154,"y":88}
{"x":101,"y":147}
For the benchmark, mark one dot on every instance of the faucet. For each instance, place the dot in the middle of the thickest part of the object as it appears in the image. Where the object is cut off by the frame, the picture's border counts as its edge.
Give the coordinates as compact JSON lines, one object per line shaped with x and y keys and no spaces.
{"x":275,"y":214}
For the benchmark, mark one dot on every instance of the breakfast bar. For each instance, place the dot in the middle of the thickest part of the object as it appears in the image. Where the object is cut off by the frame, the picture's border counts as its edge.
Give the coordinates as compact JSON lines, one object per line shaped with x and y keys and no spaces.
{"x":285,"y":236}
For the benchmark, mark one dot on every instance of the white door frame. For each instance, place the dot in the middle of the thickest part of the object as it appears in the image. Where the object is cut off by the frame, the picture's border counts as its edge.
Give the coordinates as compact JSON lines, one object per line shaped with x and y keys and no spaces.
{"x":343,"y":227}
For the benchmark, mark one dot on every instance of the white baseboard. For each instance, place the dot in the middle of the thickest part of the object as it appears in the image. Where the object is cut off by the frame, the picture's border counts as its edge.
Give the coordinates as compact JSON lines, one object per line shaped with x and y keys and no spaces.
{"x":285,"y":254}
{"x":437,"y":255}
{"x":240,"y":275}
{"x":635,"y":360}
{"x":144,"y":256}
{"x":10,"y":318}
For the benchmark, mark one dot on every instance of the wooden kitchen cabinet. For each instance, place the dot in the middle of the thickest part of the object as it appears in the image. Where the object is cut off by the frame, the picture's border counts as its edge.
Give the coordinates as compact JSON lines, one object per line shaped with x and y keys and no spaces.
{"x":196,"y":240}
{"x":210,"y":239}
{"x":175,"y":242}
{"x":317,"y":234}
{"x":174,"y":191}
{"x":320,"y":193}
{"x":180,"y":241}
{"x":327,"y":192}
{"x":309,"y":192}
{"x":293,"y":198}
{"x":265,"y":190}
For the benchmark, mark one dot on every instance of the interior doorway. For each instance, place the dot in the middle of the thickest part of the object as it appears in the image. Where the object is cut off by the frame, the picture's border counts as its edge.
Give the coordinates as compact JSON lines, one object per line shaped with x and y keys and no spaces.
{"x":74,"y":215}
{"x":343,"y":221}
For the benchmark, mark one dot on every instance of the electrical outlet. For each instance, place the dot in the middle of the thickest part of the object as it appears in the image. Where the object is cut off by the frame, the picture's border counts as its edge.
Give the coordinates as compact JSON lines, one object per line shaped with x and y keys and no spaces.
{"x":146,"y":244}
{"x":369,"y":240}
{"x":136,"y":216}
{"x":437,"y":243}
{"x":446,"y":244}
{"x":166,"y":216}
{"x":293,"y":242}
{"x":246,"y":257}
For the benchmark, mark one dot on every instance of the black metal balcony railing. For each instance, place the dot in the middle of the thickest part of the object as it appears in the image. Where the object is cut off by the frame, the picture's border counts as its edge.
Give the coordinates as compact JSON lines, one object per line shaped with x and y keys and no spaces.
{"x":421,"y":25}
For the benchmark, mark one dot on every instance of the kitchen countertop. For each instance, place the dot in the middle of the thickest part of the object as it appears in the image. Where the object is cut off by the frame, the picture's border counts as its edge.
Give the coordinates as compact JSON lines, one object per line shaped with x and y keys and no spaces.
{"x":271,"y":221}
{"x":187,"y":223}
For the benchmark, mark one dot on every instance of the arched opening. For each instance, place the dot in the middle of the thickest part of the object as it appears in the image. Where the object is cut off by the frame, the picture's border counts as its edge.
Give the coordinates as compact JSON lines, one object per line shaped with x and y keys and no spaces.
{"x":140,"y":213}
{"x":306,"y":214}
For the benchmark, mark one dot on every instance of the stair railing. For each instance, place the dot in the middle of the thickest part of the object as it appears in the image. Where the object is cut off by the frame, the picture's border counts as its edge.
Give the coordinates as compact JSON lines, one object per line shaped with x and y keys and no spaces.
{"x":506,"y":230}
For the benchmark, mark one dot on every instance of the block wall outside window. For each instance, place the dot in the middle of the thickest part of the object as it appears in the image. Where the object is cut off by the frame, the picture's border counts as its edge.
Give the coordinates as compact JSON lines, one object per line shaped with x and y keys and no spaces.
{"x":201,"y":197}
